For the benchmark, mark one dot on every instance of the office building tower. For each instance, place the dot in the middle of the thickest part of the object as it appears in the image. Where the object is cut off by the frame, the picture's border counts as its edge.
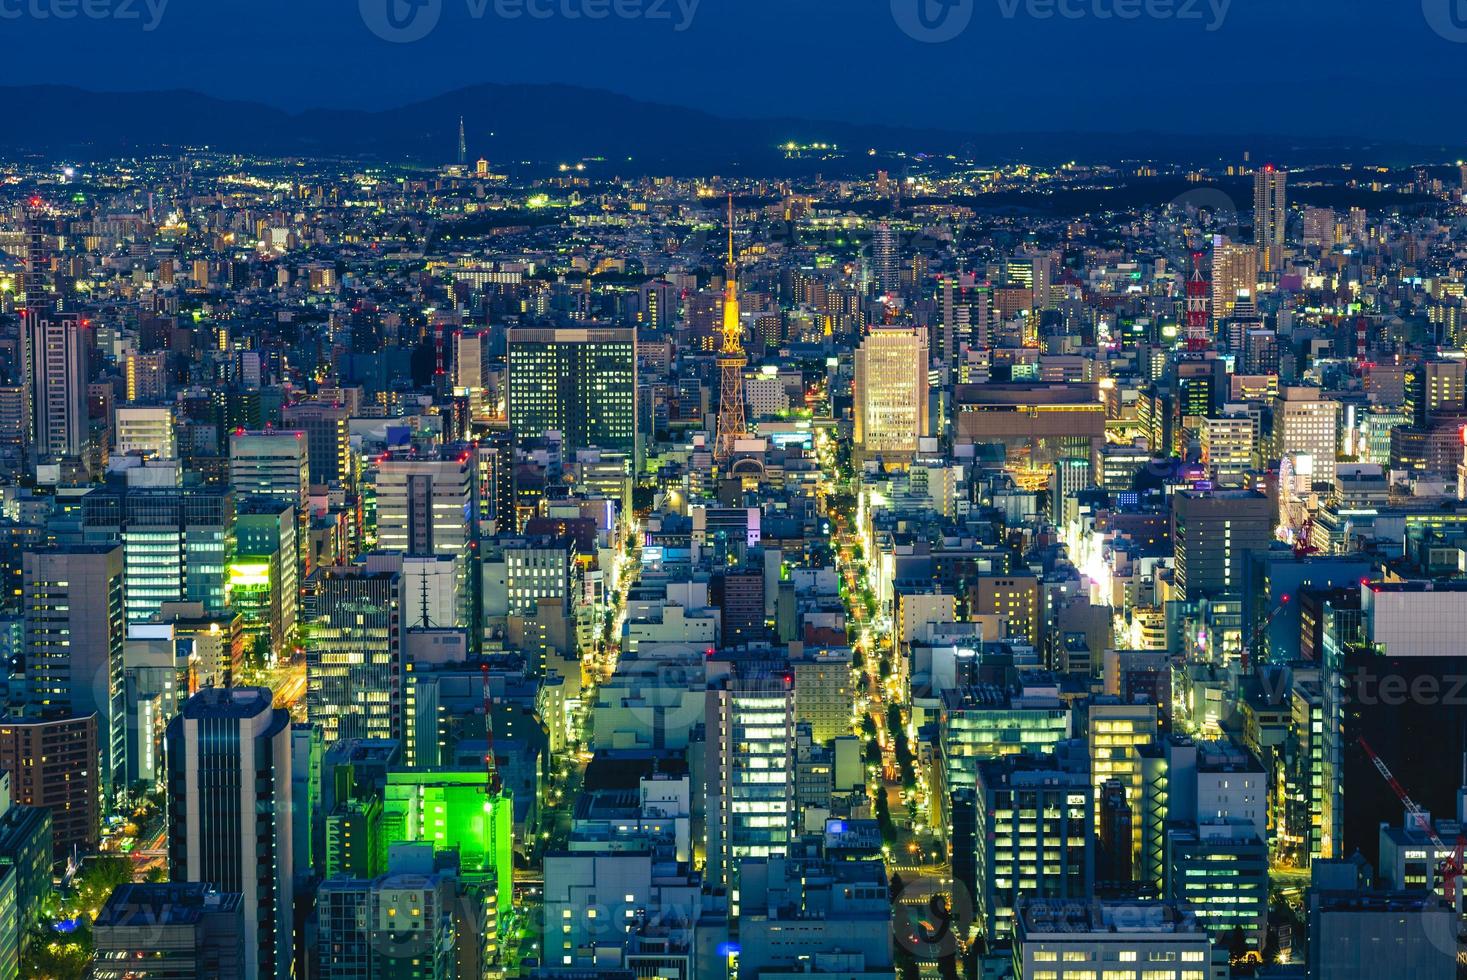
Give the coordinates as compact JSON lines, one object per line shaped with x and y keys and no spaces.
{"x":1234,"y":274}
{"x":470,"y":376}
{"x":1271,"y":215}
{"x":145,"y":431}
{"x":580,"y":382}
{"x":425,"y":506}
{"x":738,"y":593}
{"x":1229,"y":444}
{"x":168,"y":931}
{"x":825,"y":695}
{"x":146,"y":377}
{"x":1034,"y":836}
{"x":330,"y":460}
{"x":176,"y":545}
{"x":53,"y":766}
{"x":1214,"y":533}
{"x":74,"y":634}
{"x":229,"y":813}
{"x":264,"y":587}
{"x":57,"y":349}
{"x":885,"y":258}
{"x":270,"y":464}
{"x":891,"y":409}
{"x":1118,"y":733}
{"x":750,"y":714}
{"x":1435,"y":388}
{"x":1306,"y":429}
{"x":353,"y":623}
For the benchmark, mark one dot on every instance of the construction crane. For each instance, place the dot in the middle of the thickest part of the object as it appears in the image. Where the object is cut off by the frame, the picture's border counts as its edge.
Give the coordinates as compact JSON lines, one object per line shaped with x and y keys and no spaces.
{"x":490,"y":768}
{"x":1245,"y":656}
{"x":1448,"y":869}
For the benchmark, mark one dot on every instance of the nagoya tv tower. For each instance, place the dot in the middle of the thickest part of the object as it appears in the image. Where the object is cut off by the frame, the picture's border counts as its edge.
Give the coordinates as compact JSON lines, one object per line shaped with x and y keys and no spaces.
{"x":731,"y":360}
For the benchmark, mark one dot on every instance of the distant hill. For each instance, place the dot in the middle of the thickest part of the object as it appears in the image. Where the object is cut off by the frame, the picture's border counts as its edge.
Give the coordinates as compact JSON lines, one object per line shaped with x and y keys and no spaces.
{"x":562,"y":123}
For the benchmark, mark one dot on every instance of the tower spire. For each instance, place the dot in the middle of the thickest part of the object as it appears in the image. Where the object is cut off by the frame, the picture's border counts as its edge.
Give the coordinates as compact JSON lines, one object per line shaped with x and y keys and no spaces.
{"x":463,"y":144}
{"x":731,"y":360}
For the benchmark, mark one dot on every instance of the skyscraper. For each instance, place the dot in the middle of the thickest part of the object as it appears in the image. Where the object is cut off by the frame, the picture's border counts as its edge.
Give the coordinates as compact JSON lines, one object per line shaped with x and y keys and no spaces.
{"x":578,"y":381}
{"x":425,"y":506}
{"x":1234,"y":271}
{"x":328,"y":443}
{"x":884,"y":259}
{"x":750,"y":715}
{"x":74,"y":633}
{"x":1305,"y":427}
{"x":891,"y":392}
{"x":58,"y":379}
{"x":1270,"y":215}
{"x":353,"y":629}
{"x":229,"y":813}
{"x":1214,"y":532}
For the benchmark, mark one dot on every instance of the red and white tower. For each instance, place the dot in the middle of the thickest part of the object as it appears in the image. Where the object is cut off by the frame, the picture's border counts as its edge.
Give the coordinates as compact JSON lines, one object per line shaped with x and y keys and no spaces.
{"x":1197,"y":332}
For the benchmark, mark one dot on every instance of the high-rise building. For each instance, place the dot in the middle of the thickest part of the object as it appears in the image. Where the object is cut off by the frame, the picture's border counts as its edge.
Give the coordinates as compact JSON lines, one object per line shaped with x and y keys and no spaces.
{"x":425,"y":506}
{"x":271,"y":464}
{"x":53,"y":766}
{"x":580,"y":382}
{"x":57,"y":348}
{"x":1271,"y":215}
{"x":263,"y":583}
{"x":353,"y":625}
{"x":1034,"y":836}
{"x":330,"y":460}
{"x":750,"y":714}
{"x":1234,"y":273}
{"x":168,"y":931}
{"x":1306,"y":429}
{"x":1213,"y":533}
{"x":1435,"y":388}
{"x":74,"y":634}
{"x":891,"y":409}
{"x":885,"y":258}
{"x":146,"y":376}
{"x":229,"y":813}
{"x":175,"y":545}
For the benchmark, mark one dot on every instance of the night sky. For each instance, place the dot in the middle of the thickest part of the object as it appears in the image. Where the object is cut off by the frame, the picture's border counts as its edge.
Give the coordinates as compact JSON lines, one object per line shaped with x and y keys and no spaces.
{"x":1377,"y":68}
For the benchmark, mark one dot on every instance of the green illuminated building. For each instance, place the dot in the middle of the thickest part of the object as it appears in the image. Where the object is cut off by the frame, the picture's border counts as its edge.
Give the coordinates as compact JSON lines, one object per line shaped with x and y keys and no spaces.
{"x":456,"y":810}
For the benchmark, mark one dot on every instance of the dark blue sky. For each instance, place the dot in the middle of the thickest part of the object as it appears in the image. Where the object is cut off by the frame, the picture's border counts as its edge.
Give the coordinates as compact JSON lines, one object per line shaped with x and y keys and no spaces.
{"x":1313,"y":67}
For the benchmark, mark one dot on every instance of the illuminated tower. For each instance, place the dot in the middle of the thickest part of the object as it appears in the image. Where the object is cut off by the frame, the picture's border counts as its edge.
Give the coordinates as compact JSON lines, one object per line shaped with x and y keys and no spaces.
{"x":1270,"y":214}
{"x":463,"y":143}
{"x":731,"y":361}
{"x":1198,"y":289}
